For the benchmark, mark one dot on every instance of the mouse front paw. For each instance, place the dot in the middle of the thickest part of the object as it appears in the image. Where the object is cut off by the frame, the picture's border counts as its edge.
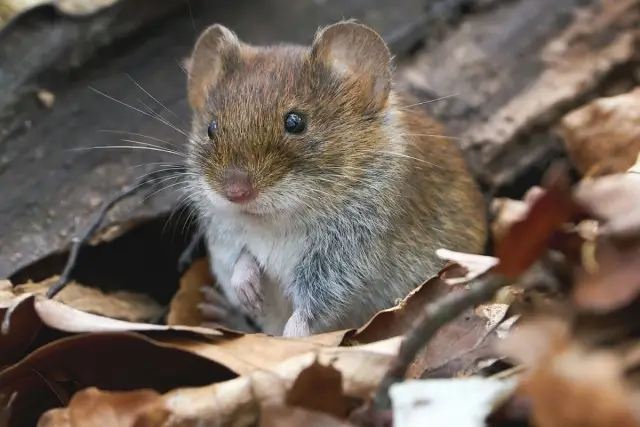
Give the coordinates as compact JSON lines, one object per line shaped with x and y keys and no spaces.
{"x":246,"y":283}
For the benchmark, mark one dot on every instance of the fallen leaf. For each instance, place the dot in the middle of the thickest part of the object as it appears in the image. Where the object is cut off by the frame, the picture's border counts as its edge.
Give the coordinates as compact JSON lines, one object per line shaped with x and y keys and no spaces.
{"x":527,"y":238}
{"x":110,"y":361}
{"x":614,"y":201}
{"x":615,"y":283}
{"x":475,"y":265}
{"x":124,"y":305}
{"x":606,"y":128}
{"x":183,"y":309}
{"x":396,"y":320}
{"x":93,"y":407}
{"x":319,"y":388}
{"x":438,"y":403}
{"x":286,"y":416}
{"x":237,"y":402}
{"x":18,"y":330}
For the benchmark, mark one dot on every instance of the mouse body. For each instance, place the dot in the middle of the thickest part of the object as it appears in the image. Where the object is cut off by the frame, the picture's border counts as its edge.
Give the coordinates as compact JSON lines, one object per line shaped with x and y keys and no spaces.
{"x":323,"y":194}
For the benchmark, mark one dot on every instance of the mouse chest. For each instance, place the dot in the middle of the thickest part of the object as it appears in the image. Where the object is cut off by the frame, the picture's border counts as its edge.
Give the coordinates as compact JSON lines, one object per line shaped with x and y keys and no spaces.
{"x":277,"y":251}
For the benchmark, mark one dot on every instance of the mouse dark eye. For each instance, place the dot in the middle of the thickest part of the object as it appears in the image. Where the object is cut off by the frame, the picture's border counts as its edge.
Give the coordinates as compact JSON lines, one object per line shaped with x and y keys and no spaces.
{"x":212,"y":128}
{"x":294,"y":123}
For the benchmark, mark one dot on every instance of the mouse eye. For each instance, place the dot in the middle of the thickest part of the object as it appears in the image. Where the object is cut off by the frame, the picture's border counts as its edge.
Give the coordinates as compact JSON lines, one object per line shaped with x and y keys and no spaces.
{"x":212,"y":128}
{"x":294,"y":123}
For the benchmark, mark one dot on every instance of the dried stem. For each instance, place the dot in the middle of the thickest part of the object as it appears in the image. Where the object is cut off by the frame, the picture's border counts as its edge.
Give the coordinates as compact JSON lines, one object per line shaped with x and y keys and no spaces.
{"x":433,"y":317}
{"x":80,"y":241}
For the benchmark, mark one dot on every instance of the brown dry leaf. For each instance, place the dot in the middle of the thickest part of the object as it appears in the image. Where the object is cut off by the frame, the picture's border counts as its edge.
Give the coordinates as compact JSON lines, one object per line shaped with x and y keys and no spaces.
{"x":19,"y":328}
{"x":475,"y":266}
{"x":183,"y":309}
{"x":237,"y":402}
{"x":284,"y":416}
{"x":247,"y":353}
{"x":615,"y":283}
{"x":124,"y":305}
{"x":102,"y":408}
{"x":527,"y":239}
{"x":607,"y":128}
{"x":109,"y":361}
{"x":319,"y":388}
{"x":396,"y":320}
{"x":615,"y":201}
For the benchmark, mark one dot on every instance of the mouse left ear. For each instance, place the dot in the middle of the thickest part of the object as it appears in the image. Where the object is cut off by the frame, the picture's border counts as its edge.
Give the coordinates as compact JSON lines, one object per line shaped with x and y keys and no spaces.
{"x":215,"y":52}
{"x":356,"y":51}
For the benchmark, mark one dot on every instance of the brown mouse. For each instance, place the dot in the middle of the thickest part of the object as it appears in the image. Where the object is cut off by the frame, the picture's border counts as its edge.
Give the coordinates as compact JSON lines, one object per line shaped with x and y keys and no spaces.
{"x":322,"y":193}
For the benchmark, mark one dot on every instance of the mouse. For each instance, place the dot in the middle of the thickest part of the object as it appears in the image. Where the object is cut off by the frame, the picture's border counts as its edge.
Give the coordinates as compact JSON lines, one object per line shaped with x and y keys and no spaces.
{"x":323,"y":193}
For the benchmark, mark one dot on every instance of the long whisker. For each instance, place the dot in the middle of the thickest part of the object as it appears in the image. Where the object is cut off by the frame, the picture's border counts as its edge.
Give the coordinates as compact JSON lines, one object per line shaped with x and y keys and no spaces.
{"x":427,"y":102}
{"x":133,"y":108}
{"x":140,"y":135}
{"x":147,"y":144}
{"x":123,"y":147}
{"x":162,"y":119}
{"x":155,"y":99}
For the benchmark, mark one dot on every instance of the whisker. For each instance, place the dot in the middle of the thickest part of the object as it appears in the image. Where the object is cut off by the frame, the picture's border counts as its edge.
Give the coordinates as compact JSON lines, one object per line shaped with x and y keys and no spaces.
{"x":147,"y":144}
{"x":140,"y":135}
{"x":122,"y":147}
{"x":158,"y":117}
{"x":154,"y":98}
{"x":427,"y":102}
{"x":131,"y":106}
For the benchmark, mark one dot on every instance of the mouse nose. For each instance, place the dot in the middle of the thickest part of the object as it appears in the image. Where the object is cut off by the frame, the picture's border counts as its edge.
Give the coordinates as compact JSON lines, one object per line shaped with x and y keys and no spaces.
{"x":237,"y":186}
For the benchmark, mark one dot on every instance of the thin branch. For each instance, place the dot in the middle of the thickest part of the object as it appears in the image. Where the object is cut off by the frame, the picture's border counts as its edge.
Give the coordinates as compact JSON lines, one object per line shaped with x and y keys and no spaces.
{"x":80,"y":241}
{"x":433,"y":317}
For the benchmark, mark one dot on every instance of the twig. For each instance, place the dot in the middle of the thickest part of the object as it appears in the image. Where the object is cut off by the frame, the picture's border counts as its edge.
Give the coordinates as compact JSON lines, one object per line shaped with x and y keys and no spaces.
{"x":190,"y":252}
{"x":80,"y":241}
{"x":434,"y":316}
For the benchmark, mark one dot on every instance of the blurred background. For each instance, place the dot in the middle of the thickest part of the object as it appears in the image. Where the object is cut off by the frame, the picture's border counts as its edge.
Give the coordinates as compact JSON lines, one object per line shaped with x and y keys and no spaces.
{"x":75,"y":74}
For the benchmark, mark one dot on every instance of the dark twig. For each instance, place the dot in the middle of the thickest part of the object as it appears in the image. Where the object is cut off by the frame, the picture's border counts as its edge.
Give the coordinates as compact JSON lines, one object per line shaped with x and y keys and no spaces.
{"x":434,"y":316}
{"x":190,"y":253}
{"x":80,"y":241}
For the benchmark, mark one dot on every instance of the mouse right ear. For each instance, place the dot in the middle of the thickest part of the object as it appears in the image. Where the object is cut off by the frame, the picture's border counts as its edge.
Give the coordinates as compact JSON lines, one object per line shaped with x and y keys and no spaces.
{"x":216,"y":47}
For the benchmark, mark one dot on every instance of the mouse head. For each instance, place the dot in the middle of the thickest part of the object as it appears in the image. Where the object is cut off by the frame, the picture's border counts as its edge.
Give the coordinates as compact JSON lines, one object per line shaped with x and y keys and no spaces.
{"x":286,"y":127}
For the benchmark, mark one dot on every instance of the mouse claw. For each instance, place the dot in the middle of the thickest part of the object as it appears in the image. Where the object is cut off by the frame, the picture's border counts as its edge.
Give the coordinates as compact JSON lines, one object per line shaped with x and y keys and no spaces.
{"x":246,"y":282}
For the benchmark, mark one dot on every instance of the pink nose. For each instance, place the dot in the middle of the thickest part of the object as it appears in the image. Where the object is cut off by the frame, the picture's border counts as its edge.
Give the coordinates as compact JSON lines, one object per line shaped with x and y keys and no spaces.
{"x":237,"y":186}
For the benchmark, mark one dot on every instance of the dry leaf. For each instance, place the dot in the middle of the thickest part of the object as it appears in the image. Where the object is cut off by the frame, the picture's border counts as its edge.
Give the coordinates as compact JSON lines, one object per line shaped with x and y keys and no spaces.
{"x":110,"y":361}
{"x":183,"y":309}
{"x":437,"y":403}
{"x":396,"y":320}
{"x":125,"y":305}
{"x":527,"y":238}
{"x":615,"y":201}
{"x":475,"y":265}
{"x":92,"y":407}
{"x":283,"y":416}
{"x":247,"y":353}
{"x":607,"y":128}
{"x":319,"y":388}
{"x":237,"y":402}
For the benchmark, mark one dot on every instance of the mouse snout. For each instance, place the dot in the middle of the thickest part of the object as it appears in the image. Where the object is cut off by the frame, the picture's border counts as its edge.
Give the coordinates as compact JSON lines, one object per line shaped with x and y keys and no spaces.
{"x":237,"y":187}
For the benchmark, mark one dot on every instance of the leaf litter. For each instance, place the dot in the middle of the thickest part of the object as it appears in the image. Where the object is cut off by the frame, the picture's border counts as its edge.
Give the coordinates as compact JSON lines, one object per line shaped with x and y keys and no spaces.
{"x":543,"y":333}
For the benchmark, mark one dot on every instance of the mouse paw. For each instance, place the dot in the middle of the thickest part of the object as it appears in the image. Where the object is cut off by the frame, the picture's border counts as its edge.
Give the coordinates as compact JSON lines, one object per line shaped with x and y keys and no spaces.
{"x":246,"y":282}
{"x":297,"y":326}
{"x":217,"y":312}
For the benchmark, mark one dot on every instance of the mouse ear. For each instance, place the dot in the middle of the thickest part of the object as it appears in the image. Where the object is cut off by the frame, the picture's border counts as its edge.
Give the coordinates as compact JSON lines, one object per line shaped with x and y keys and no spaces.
{"x":216,"y":48}
{"x":356,"y":51}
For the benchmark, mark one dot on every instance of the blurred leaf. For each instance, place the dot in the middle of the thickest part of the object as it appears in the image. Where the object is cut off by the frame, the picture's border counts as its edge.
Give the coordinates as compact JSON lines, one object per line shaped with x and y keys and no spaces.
{"x":527,"y":239}
{"x":92,"y":407}
{"x":442,"y":403}
{"x":283,"y":416}
{"x":319,"y":388}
